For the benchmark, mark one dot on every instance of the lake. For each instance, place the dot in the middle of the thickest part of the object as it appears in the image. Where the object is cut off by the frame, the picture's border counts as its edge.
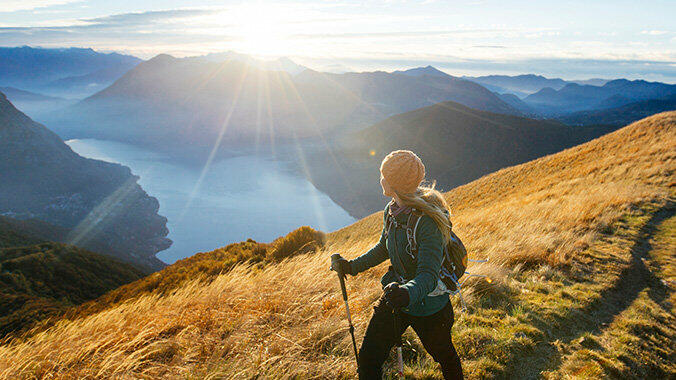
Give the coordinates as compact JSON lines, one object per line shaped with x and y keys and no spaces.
{"x":240,"y":197}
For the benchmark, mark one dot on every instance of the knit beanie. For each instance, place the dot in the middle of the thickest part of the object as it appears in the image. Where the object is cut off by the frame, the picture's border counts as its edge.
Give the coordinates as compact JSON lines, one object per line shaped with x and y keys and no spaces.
{"x":403,"y":170}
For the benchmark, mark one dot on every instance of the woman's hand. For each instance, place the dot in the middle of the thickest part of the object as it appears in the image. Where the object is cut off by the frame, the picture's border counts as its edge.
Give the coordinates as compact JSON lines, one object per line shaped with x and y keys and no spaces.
{"x":341,"y":265}
{"x":396,"y":296}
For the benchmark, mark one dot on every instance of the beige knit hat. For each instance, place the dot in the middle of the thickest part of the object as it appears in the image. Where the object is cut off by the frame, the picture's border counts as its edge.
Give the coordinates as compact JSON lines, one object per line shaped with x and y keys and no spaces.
{"x":403,"y":170}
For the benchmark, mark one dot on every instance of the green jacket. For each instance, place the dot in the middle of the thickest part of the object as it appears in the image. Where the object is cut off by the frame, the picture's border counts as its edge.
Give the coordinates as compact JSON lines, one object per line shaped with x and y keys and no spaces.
{"x":420,"y":279}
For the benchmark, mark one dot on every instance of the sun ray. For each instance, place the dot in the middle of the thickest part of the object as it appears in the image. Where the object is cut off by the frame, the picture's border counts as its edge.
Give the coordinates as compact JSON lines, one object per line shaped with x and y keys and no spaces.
{"x":260,"y":78}
{"x":103,"y":214}
{"x":270,"y":118}
{"x":325,"y":145}
{"x":328,"y":148}
{"x":216,"y":146}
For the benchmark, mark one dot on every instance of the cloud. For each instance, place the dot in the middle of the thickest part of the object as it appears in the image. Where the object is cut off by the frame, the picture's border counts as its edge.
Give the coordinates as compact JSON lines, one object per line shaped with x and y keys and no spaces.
{"x":22,"y":5}
{"x":414,"y":33}
{"x":654,"y":32}
{"x":161,"y":27}
{"x":567,"y":68}
{"x":489,"y":47}
{"x":149,"y":17}
{"x":145,"y":34}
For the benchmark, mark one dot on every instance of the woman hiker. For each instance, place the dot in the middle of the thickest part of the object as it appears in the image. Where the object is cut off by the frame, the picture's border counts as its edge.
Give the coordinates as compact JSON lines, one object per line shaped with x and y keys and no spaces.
{"x":408,"y":283}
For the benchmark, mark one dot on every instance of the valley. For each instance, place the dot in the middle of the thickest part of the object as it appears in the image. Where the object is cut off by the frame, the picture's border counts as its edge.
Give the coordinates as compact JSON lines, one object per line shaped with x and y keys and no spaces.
{"x":173,"y":217}
{"x":579,"y":271}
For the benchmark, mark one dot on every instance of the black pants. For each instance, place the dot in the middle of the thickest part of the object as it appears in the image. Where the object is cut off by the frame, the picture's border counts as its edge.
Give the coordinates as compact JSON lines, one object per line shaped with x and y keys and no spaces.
{"x":381,"y":335}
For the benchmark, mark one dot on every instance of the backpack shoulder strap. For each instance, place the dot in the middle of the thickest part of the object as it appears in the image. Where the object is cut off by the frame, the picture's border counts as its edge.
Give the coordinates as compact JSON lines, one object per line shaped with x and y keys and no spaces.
{"x":411,"y":229}
{"x":388,"y":220}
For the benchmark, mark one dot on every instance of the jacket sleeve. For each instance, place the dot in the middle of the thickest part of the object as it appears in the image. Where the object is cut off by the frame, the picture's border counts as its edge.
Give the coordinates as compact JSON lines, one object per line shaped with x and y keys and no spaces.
{"x":430,"y":256}
{"x":374,"y":256}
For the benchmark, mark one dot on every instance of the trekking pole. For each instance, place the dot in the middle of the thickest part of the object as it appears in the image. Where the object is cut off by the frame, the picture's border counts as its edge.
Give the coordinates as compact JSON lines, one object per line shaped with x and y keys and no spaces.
{"x":400,"y":358}
{"x":341,"y":277}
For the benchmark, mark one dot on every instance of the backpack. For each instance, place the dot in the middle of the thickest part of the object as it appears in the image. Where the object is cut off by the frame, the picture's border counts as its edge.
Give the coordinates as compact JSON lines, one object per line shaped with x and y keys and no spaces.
{"x":454,"y":262}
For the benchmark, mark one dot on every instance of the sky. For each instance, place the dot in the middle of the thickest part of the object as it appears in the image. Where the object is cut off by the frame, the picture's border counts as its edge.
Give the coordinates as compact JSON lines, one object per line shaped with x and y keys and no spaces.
{"x":571,"y":39}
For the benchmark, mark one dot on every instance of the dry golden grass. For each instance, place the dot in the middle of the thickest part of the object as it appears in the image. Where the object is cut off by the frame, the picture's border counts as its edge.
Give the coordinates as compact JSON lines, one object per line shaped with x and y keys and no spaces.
{"x":286,"y":320}
{"x":204,"y":266}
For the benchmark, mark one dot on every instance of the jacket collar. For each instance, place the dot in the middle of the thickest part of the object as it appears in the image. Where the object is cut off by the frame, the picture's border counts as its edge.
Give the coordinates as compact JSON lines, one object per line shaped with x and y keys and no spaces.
{"x":395,"y":209}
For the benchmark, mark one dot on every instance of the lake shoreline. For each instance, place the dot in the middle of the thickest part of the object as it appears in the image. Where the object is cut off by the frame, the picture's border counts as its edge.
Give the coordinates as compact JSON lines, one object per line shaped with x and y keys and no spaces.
{"x":210,"y":206}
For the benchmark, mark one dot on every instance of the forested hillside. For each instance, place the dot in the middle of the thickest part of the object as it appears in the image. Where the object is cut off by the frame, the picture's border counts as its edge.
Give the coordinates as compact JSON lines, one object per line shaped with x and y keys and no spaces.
{"x":41,"y":280}
{"x":97,"y":205}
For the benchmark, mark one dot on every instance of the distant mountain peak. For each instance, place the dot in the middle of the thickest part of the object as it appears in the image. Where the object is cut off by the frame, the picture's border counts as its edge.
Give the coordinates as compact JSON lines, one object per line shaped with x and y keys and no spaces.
{"x":419,"y":71}
{"x":547,"y":90}
{"x":162,"y":57}
{"x":285,"y":60}
{"x":278,"y":64}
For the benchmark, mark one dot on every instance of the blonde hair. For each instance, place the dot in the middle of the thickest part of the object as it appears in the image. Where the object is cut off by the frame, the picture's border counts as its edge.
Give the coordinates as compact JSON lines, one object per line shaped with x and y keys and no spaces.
{"x":432,"y":203}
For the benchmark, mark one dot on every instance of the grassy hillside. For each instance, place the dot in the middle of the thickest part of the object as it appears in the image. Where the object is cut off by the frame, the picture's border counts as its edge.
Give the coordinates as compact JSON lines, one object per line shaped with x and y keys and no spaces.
{"x":205,"y":266}
{"x":54,"y":280}
{"x":581,"y":246}
{"x":40,"y":281}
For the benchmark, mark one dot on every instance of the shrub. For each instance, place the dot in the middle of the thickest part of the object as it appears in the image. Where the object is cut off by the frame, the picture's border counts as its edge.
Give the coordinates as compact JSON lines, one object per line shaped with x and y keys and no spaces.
{"x":302,"y":240}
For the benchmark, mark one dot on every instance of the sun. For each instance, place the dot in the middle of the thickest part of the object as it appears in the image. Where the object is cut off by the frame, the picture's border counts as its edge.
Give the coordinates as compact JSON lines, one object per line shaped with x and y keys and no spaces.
{"x":262,"y":29}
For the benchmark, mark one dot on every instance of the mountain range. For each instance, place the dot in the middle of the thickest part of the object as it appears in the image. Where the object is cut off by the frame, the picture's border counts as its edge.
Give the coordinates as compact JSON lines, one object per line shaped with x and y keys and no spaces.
{"x":517,"y":103}
{"x":458,"y":144}
{"x":580,"y":102}
{"x":66,"y":72}
{"x":99,"y":204}
{"x":574,"y":97}
{"x":279,"y":64}
{"x":524,"y":85}
{"x":520,"y":85}
{"x":172,"y":102}
{"x":621,"y":115}
{"x":428,"y":70}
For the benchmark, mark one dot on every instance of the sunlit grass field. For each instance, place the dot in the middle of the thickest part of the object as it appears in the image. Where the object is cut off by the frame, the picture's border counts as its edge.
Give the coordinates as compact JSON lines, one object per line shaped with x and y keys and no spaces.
{"x":581,"y":246}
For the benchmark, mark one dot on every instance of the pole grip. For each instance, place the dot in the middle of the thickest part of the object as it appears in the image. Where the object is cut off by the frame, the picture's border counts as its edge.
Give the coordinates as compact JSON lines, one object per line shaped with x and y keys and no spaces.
{"x":341,"y":275}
